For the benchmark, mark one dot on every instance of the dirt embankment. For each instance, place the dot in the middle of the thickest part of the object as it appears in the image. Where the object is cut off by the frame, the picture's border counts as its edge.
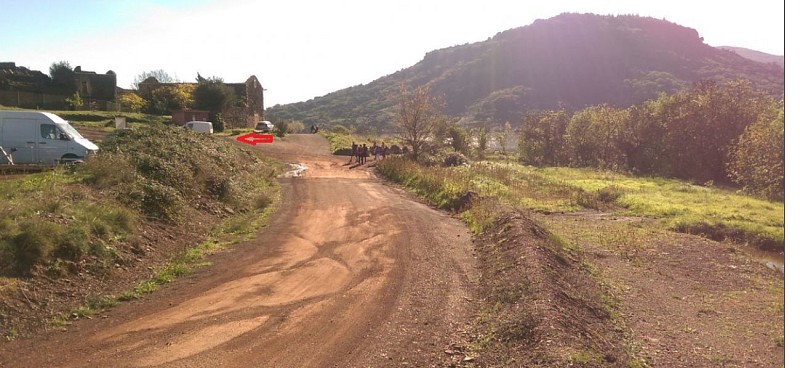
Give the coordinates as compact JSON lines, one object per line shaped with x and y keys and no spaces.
{"x":543,"y":306}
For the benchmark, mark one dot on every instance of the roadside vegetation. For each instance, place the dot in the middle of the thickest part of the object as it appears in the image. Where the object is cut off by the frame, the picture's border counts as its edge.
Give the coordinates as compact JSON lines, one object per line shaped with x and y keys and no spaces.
{"x":672,"y":163}
{"x":149,"y":196}
{"x":676,"y":205}
{"x":545,"y":304}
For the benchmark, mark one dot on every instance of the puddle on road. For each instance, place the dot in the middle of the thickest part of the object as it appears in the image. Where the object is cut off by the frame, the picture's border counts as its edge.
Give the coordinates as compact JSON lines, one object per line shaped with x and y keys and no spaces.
{"x":771,"y":259}
{"x":296,"y":170}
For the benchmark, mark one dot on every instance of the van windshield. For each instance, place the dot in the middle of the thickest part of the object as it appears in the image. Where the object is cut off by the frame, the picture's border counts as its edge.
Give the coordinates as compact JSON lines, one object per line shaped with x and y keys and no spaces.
{"x":70,"y":131}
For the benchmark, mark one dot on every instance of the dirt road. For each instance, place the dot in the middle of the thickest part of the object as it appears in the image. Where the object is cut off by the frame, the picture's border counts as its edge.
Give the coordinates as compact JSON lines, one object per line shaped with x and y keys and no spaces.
{"x":351,"y":272}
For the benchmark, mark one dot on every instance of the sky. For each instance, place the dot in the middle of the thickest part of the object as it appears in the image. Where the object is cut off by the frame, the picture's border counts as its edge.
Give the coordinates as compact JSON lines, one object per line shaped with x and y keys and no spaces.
{"x":300,"y":49}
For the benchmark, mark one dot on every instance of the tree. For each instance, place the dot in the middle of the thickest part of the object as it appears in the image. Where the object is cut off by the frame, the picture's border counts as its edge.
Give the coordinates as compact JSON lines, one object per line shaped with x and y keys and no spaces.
{"x":132,"y":102}
{"x":593,"y":134}
{"x":541,"y":138}
{"x":458,"y":139}
{"x":171,"y":97}
{"x":702,"y":124}
{"x":160,"y":75}
{"x":214,"y":95}
{"x":483,"y":141}
{"x":757,"y":159}
{"x":63,"y":76}
{"x":75,"y":101}
{"x":418,"y":115}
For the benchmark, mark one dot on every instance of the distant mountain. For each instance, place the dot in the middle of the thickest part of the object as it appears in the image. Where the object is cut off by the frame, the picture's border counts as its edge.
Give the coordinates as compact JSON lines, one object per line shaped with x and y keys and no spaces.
{"x":571,"y":60}
{"x":761,"y":57}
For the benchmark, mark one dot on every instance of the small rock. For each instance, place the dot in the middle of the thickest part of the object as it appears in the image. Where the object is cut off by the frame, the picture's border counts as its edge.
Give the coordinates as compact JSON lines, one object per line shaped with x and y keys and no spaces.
{"x":468,"y":359}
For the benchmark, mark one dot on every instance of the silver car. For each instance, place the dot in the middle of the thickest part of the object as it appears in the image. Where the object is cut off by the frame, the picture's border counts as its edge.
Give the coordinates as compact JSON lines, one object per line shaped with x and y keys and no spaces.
{"x":263,"y":127}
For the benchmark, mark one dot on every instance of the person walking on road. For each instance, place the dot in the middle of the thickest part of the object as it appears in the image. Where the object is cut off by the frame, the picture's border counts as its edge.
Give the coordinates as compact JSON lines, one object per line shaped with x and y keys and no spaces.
{"x":364,"y":153}
{"x":353,"y":152}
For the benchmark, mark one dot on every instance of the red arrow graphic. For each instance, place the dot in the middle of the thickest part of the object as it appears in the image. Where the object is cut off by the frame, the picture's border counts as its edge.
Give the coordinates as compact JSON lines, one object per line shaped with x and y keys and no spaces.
{"x":254,"y":139}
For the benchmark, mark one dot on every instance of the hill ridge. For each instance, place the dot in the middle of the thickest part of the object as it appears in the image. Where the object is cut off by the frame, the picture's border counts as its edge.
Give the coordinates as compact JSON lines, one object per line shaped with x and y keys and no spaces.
{"x":571,"y":60}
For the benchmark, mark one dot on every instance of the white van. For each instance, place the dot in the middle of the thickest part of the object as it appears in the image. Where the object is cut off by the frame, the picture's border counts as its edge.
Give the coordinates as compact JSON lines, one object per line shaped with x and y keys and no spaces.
{"x":199,"y":126}
{"x":33,"y":137}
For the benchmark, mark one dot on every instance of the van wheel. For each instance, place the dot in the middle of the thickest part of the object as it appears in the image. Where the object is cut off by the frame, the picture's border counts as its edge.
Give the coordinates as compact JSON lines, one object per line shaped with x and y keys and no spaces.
{"x":70,"y":158}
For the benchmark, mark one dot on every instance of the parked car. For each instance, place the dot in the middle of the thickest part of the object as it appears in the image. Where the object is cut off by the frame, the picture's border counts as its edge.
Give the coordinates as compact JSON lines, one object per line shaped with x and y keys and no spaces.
{"x":34,"y":137}
{"x":263,"y":127}
{"x":199,"y":126}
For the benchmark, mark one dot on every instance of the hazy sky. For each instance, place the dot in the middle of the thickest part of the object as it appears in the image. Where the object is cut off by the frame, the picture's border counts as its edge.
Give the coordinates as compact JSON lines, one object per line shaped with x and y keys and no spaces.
{"x":300,"y":49}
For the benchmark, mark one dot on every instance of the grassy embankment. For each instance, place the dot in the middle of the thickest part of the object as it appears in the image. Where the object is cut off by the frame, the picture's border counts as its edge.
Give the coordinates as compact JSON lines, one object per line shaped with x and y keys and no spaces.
{"x":679,"y":206}
{"x":518,"y":276}
{"x":92,"y":218}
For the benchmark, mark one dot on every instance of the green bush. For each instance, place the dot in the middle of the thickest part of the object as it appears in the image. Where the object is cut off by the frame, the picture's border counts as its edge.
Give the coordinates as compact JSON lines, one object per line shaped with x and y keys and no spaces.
{"x":281,"y":128}
{"x":454,"y":159}
{"x":160,"y":201}
{"x":33,"y":244}
{"x":340,"y":129}
{"x":109,"y":169}
{"x":73,"y":243}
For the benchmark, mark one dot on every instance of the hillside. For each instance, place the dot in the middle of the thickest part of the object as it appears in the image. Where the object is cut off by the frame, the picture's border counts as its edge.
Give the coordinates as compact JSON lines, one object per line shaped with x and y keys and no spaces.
{"x":574,"y":60}
{"x":761,"y":57}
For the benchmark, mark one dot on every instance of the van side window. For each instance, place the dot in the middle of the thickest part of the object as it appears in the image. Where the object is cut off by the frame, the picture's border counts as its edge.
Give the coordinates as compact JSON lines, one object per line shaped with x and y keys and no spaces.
{"x":49,"y":131}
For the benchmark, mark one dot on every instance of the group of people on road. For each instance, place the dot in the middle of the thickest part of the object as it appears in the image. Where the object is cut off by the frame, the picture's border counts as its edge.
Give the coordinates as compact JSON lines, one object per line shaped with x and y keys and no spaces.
{"x":361,"y":152}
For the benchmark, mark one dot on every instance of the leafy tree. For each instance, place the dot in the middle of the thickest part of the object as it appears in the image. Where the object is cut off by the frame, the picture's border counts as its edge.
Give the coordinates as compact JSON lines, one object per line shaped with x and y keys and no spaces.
{"x":132,"y":102}
{"x":483,"y":142}
{"x":642,"y":138}
{"x":171,"y":97}
{"x":541,"y":138}
{"x":701,"y":125}
{"x":592,"y":136}
{"x":159,"y":74}
{"x":214,"y":95}
{"x":757,"y":160}
{"x":75,"y":101}
{"x":458,"y":138}
{"x":62,"y":75}
{"x":418,"y":115}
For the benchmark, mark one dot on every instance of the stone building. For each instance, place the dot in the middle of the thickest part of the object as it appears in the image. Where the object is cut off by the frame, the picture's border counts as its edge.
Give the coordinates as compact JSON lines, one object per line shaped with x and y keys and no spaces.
{"x":251,"y":109}
{"x":21,"y":87}
{"x":248,"y":110}
{"x":98,"y":89}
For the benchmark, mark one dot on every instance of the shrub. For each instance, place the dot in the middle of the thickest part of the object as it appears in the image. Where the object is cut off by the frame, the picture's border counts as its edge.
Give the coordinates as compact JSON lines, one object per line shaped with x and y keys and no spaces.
{"x":454,"y":159}
{"x":340,"y":129}
{"x":281,"y":128}
{"x":33,"y":244}
{"x":73,"y":244}
{"x":161,"y":202}
{"x":296,"y":127}
{"x":107,"y":170}
{"x":599,"y":200}
{"x":757,"y":160}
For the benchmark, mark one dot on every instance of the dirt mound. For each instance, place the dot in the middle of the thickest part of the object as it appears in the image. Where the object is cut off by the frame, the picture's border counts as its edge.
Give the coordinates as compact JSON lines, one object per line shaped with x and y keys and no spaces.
{"x":543,"y":306}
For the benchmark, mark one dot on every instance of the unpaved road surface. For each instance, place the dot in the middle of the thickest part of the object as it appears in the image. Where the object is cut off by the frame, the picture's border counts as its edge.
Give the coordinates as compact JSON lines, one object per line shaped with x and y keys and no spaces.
{"x":350,"y":272}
